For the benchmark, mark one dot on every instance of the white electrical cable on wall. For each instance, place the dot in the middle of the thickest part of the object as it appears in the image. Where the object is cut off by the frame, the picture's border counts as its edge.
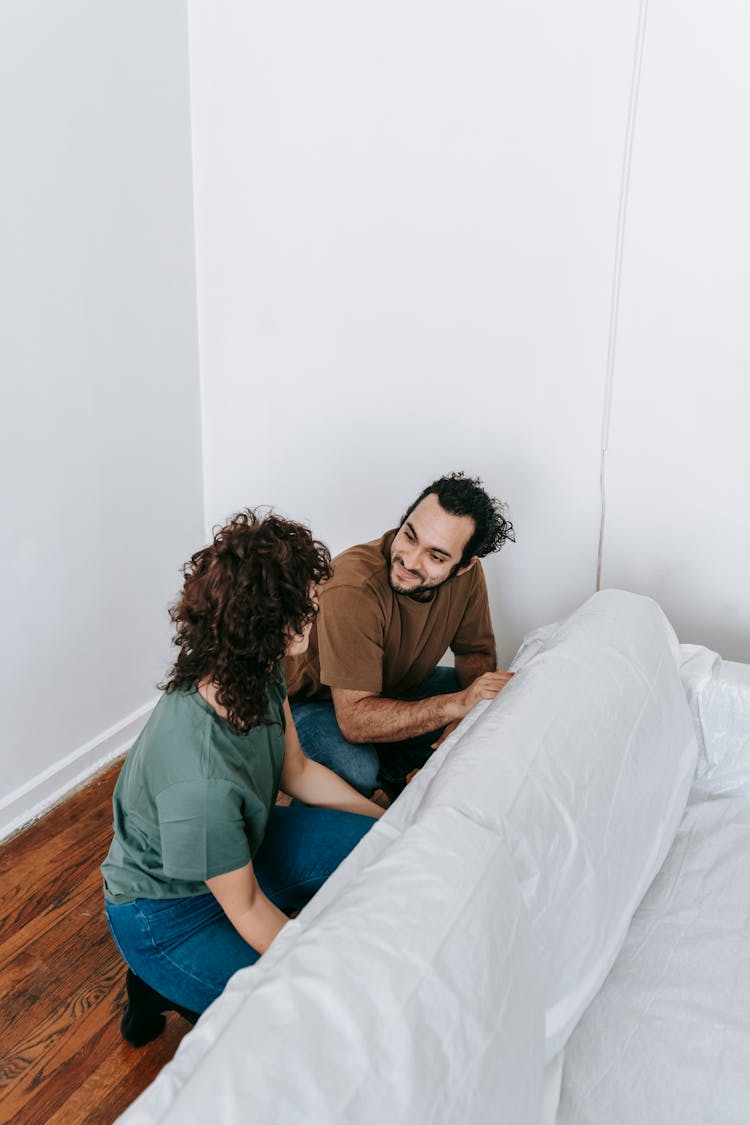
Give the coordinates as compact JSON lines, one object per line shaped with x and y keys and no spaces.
{"x":635,"y":82}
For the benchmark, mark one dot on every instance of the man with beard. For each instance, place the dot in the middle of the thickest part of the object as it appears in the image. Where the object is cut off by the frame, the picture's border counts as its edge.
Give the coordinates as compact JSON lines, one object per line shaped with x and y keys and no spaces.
{"x":368,"y":698}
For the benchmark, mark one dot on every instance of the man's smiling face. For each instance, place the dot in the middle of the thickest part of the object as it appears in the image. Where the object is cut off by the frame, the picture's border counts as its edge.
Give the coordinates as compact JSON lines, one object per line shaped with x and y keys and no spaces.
{"x":428,"y":548}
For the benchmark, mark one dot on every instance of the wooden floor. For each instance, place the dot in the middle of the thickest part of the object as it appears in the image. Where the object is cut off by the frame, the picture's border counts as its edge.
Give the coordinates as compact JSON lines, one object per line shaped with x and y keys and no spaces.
{"x":62,"y":1060}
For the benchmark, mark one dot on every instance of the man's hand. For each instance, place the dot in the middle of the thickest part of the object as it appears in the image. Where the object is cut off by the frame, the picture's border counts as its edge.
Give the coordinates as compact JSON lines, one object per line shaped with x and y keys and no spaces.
{"x":486,"y":686}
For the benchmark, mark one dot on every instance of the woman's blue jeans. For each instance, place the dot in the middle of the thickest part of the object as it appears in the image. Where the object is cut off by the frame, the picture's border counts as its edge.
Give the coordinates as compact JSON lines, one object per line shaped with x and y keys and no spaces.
{"x":187,"y":949}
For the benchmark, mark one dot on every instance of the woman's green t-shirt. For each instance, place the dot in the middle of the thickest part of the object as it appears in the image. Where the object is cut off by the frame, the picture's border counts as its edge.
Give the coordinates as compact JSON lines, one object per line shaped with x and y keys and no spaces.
{"x":193,"y":797}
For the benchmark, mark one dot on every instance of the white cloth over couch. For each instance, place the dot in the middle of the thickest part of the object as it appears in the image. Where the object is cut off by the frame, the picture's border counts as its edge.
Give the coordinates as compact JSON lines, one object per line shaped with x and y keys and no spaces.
{"x":454,"y":952}
{"x":667,"y":1040}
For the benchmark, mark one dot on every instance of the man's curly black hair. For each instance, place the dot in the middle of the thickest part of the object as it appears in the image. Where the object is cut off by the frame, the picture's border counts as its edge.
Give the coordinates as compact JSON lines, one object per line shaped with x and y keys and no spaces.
{"x":243,"y":597}
{"x":464,"y":496}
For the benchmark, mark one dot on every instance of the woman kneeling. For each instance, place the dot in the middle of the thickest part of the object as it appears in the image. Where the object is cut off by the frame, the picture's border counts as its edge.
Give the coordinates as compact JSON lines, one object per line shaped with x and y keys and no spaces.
{"x":204,"y":864}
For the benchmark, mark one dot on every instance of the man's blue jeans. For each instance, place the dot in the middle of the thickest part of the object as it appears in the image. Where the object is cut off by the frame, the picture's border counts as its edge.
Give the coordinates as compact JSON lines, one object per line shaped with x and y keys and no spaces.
{"x":187,"y":949}
{"x":363,"y":765}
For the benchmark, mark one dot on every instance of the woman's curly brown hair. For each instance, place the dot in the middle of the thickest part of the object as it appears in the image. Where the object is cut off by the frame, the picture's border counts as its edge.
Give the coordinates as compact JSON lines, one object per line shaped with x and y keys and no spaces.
{"x":243,"y":597}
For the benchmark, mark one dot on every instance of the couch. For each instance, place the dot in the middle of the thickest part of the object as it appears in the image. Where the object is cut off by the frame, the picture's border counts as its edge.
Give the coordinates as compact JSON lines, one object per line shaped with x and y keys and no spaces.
{"x":551,"y":924}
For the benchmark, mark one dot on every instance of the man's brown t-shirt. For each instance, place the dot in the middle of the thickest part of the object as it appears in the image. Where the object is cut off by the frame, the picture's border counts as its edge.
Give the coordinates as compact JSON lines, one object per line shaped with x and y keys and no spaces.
{"x":369,"y":638}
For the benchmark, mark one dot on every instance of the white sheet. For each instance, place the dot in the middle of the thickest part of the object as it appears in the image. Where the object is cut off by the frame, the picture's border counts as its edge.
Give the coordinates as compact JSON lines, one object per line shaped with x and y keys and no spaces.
{"x":719,"y":695}
{"x":409,"y":996}
{"x":667,"y":1040}
{"x":584,"y":762}
{"x":414,"y":987}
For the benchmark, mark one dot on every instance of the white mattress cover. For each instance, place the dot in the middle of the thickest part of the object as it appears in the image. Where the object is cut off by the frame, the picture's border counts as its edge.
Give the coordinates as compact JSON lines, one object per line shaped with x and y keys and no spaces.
{"x":667,"y":1039}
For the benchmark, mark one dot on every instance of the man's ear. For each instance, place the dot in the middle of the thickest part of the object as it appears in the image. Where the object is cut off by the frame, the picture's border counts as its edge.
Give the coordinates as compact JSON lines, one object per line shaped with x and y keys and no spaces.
{"x":463,"y":569}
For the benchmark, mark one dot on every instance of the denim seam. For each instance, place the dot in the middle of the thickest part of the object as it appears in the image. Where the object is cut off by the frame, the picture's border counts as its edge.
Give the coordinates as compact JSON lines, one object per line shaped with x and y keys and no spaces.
{"x":114,"y":936}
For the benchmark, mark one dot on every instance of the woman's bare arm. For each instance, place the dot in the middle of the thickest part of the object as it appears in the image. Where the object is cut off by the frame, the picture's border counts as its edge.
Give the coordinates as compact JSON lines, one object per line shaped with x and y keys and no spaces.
{"x":314,"y":783}
{"x":253,"y":915}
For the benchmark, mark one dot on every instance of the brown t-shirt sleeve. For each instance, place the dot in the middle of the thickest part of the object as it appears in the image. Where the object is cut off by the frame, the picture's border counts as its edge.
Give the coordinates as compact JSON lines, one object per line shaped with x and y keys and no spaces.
{"x":474,"y":632}
{"x":351,"y":631}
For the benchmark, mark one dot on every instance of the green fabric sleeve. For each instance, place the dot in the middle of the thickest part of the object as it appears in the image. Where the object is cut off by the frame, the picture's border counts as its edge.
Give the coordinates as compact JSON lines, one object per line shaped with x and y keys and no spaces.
{"x":203,"y":831}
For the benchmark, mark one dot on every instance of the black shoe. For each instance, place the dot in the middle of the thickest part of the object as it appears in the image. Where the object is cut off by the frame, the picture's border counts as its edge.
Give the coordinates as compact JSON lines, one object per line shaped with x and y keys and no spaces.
{"x":143,"y":1018}
{"x":393,"y":787}
{"x":396,"y":763}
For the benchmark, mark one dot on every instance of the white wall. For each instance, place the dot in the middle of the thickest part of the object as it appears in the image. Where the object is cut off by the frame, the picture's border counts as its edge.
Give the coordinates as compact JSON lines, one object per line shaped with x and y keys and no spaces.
{"x":679,"y":459}
{"x":406,"y":219}
{"x":101,"y":452}
{"x":407,"y":223}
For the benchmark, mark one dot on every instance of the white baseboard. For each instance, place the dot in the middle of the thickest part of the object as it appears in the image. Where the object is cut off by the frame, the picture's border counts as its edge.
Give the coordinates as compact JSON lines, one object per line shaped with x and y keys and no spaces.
{"x":35,"y":797}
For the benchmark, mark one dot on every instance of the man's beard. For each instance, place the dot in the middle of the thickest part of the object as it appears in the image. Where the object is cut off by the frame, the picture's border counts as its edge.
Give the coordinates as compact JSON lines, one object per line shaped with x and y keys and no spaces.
{"x":423,"y":593}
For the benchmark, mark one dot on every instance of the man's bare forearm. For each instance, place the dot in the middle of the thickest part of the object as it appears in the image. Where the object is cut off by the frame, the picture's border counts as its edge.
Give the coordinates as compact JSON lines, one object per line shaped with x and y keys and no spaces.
{"x":472,"y":665}
{"x":364,"y":717}
{"x":376,"y":719}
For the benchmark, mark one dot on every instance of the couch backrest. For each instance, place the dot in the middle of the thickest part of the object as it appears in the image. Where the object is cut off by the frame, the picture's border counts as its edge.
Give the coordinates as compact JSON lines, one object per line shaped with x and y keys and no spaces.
{"x":584,"y":762}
